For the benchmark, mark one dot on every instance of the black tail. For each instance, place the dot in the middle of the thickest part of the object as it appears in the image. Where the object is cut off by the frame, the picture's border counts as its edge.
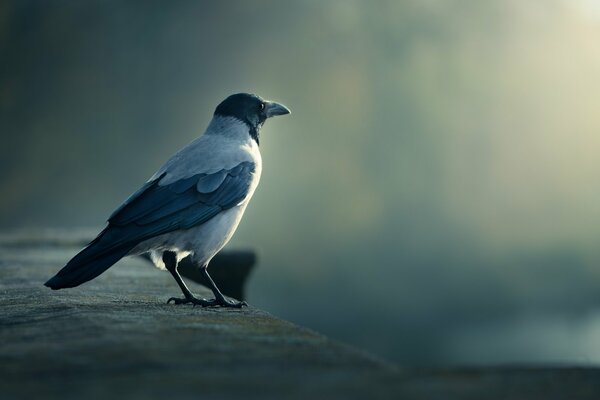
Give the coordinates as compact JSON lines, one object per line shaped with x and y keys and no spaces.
{"x":96,"y":258}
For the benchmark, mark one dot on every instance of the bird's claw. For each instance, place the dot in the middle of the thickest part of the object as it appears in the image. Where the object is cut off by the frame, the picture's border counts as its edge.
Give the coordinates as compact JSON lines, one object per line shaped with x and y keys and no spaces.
{"x":232,"y":304}
{"x":193,"y":300}
{"x":177,"y":300}
{"x":208,"y":303}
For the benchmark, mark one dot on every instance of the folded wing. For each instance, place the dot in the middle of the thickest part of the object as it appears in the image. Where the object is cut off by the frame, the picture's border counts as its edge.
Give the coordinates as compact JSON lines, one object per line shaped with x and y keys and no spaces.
{"x":154,"y":210}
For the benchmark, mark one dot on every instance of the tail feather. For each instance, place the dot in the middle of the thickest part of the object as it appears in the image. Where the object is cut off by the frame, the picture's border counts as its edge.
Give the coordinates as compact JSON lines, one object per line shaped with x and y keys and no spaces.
{"x":90,"y":262}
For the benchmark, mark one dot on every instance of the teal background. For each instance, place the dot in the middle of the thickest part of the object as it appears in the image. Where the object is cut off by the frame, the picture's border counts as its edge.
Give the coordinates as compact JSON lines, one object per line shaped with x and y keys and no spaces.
{"x":433,"y":198}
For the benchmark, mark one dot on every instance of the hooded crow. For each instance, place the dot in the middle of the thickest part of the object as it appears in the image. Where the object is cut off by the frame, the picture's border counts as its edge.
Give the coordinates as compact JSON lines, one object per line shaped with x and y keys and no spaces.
{"x":190,"y":207}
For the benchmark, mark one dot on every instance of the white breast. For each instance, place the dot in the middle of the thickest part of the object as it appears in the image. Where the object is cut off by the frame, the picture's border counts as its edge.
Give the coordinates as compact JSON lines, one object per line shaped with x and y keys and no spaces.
{"x":201,"y":242}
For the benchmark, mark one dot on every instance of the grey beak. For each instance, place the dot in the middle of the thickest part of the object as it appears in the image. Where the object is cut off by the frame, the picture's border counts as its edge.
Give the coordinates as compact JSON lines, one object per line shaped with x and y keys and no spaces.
{"x":272,"y":109}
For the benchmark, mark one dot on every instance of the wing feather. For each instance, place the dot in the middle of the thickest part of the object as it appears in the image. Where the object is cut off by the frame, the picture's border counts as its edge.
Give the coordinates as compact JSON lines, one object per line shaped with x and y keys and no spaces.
{"x":157,"y":209}
{"x":211,"y":182}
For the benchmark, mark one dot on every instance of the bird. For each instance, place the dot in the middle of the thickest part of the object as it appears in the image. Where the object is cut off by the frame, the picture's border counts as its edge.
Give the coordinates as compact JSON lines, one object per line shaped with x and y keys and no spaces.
{"x":190,"y":207}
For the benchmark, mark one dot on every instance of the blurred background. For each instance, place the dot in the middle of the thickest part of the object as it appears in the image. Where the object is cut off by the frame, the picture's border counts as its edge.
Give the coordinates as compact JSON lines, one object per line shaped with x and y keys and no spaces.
{"x":434,"y":197}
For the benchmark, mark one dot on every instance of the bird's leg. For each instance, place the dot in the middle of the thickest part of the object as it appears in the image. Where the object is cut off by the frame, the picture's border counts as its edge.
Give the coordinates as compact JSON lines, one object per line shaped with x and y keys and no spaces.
{"x":219,"y":298}
{"x":170,"y":260}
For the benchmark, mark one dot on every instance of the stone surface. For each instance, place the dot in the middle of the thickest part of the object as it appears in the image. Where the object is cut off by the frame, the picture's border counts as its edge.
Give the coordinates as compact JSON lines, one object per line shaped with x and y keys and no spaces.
{"x":115,"y":337}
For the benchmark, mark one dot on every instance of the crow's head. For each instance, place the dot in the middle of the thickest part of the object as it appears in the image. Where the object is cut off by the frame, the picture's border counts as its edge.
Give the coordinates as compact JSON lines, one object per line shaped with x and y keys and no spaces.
{"x":251,"y":110}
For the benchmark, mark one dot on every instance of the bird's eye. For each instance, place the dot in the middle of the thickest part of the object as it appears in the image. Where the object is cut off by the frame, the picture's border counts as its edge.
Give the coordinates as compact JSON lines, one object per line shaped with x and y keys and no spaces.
{"x":262,"y":106}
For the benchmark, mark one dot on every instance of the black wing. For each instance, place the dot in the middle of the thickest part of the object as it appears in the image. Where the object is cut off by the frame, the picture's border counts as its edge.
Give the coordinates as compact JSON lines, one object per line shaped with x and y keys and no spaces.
{"x":155,"y":210}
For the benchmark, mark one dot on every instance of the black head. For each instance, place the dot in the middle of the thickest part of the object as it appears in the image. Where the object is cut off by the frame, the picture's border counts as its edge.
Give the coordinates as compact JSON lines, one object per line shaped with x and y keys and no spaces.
{"x":250,"y":109}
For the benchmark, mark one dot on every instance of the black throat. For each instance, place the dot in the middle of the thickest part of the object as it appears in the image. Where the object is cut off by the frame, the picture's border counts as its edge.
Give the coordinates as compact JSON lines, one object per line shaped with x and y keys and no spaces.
{"x":254,"y":133}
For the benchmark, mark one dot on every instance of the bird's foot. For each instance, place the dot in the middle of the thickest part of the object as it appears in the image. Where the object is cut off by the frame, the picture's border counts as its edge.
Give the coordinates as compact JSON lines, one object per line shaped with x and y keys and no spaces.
{"x":193,"y":300}
{"x":230,"y":303}
{"x":208,"y":303}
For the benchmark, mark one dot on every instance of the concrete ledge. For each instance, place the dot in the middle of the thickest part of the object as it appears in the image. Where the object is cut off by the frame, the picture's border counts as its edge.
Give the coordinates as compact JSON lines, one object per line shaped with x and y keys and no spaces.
{"x":116,"y":337}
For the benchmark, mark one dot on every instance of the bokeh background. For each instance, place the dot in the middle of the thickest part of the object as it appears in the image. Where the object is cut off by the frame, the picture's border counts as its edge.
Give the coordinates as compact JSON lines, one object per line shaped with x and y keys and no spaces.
{"x":434,"y":198}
